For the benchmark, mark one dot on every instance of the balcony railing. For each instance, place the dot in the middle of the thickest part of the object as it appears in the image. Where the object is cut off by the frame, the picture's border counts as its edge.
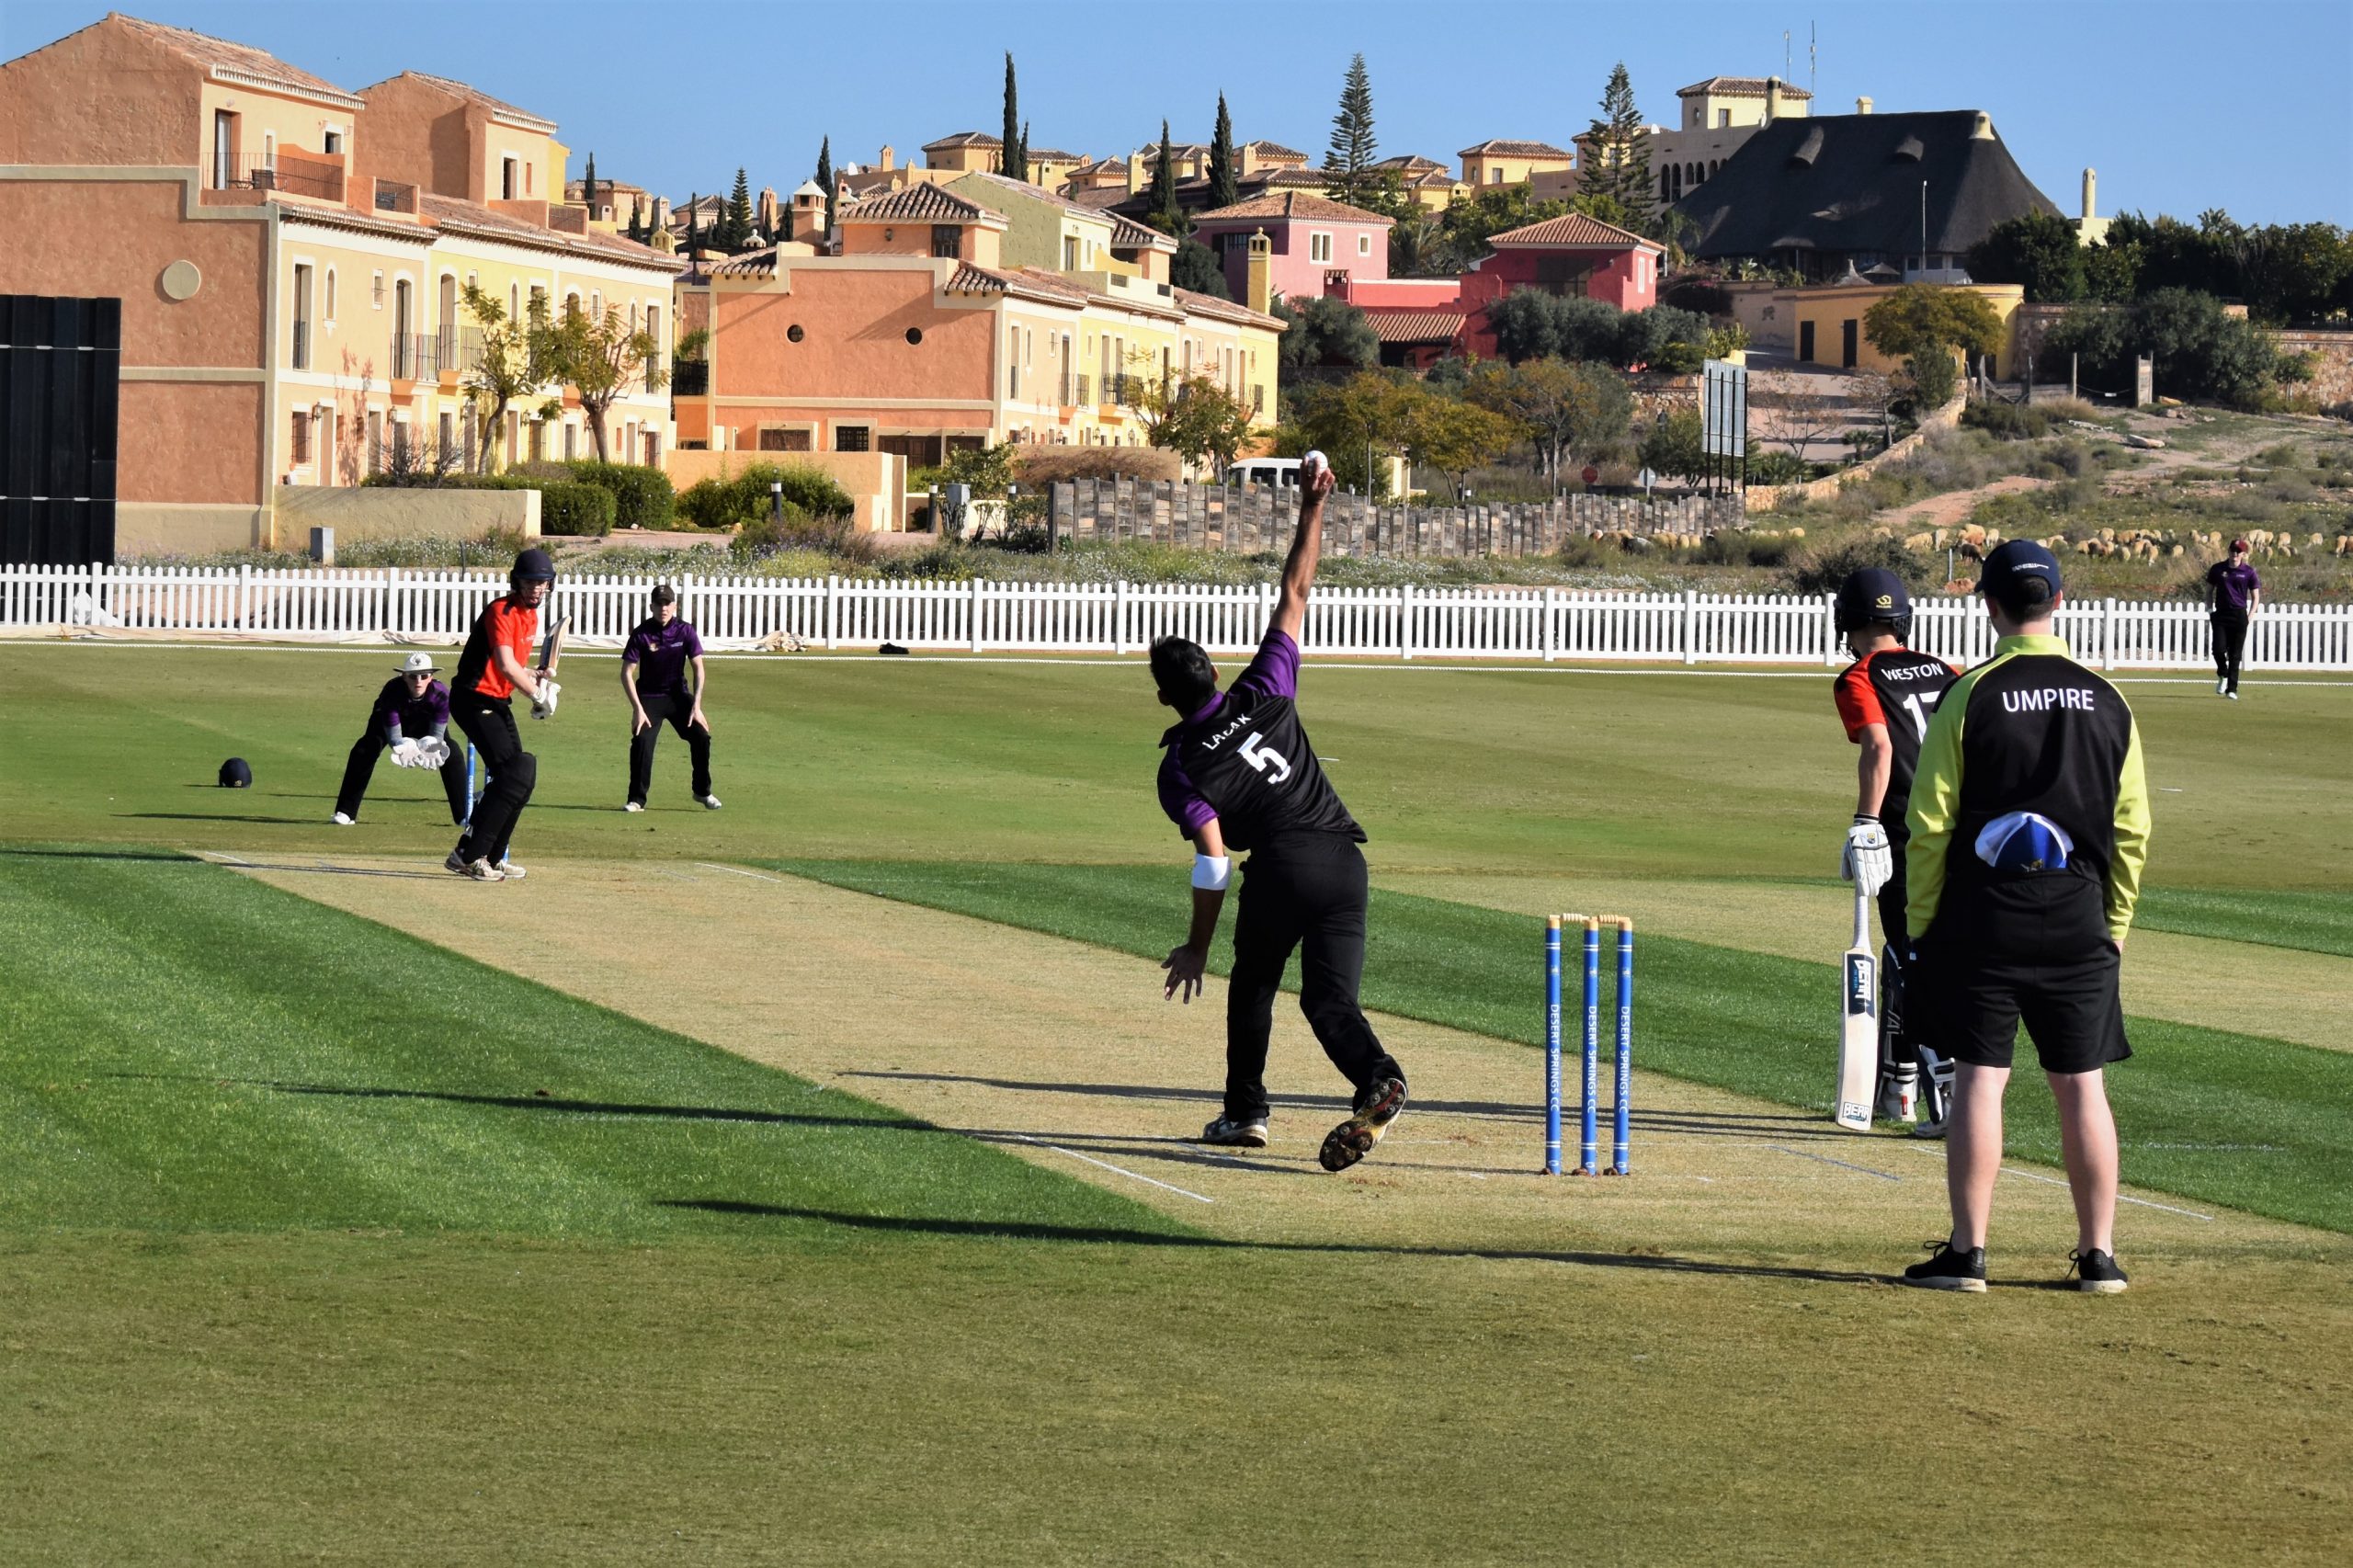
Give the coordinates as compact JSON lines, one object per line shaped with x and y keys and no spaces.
{"x":1120,"y":389}
{"x":416,"y":356}
{"x":301,"y":345}
{"x":393,"y":196}
{"x":690,"y":378}
{"x":1075,"y":391}
{"x":294,"y":179}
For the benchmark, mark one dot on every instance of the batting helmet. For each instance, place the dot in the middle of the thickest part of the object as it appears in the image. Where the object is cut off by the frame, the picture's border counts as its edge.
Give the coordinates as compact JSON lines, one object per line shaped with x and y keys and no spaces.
{"x":1874,"y":594}
{"x":534,"y":565}
{"x":236,"y":775}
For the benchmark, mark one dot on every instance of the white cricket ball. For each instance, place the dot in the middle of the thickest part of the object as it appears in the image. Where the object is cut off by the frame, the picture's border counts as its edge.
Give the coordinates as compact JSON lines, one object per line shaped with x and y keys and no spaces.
{"x":1310,"y":463}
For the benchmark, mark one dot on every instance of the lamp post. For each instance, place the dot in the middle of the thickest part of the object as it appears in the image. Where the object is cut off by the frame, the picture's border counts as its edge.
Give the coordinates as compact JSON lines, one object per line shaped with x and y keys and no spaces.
{"x":776,"y":502}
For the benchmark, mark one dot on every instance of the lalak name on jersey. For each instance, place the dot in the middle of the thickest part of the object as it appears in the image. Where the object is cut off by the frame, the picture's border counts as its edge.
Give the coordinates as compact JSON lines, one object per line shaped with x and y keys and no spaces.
{"x":1253,"y":751}
{"x":2044,"y":698}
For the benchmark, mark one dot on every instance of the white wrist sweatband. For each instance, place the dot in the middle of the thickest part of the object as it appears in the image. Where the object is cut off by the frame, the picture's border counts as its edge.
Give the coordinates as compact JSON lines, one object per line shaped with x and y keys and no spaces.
{"x":1212,"y":873}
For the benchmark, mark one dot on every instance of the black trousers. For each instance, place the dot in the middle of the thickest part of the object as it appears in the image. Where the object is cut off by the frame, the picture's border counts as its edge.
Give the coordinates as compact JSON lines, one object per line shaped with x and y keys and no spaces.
{"x":489,"y":723}
{"x":2229,"y":645}
{"x":1896,"y":1049}
{"x":670,"y":707}
{"x":1307,"y":893}
{"x":361,"y":767}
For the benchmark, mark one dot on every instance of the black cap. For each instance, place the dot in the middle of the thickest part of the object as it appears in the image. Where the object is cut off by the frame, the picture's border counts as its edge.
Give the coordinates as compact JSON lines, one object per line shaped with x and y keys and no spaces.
{"x":1870,"y":594}
{"x":534,"y":565}
{"x":236,"y":775}
{"x":2014,"y":563}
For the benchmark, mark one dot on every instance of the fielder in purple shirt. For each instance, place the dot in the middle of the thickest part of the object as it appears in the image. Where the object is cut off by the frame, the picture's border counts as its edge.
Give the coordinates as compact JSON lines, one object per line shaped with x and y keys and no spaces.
{"x":411,"y":720}
{"x":2236,"y":590}
{"x":653,"y":678}
{"x":1240,"y":774}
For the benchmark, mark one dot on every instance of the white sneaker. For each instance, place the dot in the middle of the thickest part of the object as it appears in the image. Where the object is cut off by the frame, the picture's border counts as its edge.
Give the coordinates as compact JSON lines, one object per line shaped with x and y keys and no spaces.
{"x":633,"y":806}
{"x":511,"y":871}
{"x":2222,"y":689}
{"x":710,"y":803}
{"x":2232,"y":695}
{"x":474,"y":870}
{"x":340,"y":819}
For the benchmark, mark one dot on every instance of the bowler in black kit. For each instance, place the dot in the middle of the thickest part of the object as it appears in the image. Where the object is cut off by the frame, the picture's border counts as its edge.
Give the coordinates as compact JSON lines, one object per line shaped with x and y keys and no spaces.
{"x":1240,"y":774}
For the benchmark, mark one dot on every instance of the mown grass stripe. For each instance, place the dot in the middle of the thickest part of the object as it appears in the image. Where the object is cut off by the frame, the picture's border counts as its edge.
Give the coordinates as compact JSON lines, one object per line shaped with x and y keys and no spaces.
{"x":1749,"y":1022}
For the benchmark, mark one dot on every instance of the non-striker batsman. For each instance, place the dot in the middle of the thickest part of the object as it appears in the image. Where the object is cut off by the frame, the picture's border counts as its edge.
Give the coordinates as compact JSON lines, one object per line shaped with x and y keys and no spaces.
{"x":1239,"y":774}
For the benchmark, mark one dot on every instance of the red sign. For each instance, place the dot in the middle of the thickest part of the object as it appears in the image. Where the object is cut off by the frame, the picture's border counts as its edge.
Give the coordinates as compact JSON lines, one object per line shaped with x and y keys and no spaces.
{"x":1592,"y":475}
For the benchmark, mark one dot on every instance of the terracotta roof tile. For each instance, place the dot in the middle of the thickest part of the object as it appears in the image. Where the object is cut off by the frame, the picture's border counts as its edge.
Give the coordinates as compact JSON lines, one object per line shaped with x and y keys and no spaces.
{"x":204,"y":49}
{"x":1736,"y":87}
{"x":467,"y":217}
{"x":965,"y":139}
{"x":920,"y":202}
{"x":1277,"y":149}
{"x":750,"y":263}
{"x":1292,"y":204}
{"x":1224,"y":310}
{"x":1129,"y":234}
{"x":1571,"y":229}
{"x":1509,"y":149}
{"x":1415,"y":327}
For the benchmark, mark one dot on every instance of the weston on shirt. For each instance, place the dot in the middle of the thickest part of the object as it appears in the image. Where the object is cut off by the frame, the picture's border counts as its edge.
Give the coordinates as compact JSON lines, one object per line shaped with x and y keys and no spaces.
{"x":400,"y":716}
{"x":1244,"y":759}
{"x":2233,"y":585}
{"x":660,"y":654}
{"x":1899,"y":688}
{"x":2029,"y":730}
{"x":503,"y":624}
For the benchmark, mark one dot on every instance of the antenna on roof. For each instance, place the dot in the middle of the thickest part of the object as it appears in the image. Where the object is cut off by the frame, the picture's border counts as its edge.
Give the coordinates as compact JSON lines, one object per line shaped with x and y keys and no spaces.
{"x":1785,"y":54}
{"x":1812,"y":56}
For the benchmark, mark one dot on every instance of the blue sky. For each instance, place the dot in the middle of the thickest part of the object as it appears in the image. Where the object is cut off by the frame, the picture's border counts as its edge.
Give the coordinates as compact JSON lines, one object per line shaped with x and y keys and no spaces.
{"x":2239,"y":104}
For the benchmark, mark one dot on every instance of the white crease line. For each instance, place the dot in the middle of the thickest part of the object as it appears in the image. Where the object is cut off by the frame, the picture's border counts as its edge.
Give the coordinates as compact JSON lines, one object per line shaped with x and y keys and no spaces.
{"x":1123,"y":1170}
{"x":1800,"y":1153}
{"x":222,"y":858}
{"x":738,"y":872}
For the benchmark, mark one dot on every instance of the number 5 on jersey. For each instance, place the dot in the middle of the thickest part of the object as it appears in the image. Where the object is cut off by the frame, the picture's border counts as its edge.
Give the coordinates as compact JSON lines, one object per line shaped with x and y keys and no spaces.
{"x":1260,"y":757}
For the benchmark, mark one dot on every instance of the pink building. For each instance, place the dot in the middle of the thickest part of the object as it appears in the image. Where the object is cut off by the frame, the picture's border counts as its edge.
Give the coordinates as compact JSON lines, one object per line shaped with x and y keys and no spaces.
{"x":1422,"y":320}
{"x":1321,"y":247}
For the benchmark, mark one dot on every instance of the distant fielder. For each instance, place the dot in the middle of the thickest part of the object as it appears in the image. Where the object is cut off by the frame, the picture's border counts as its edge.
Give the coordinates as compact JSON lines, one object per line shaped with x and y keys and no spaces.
{"x":653,"y":678}
{"x":411,"y":720}
{"x":1884,"y":699}
{"x":497,"y":664}
{"x":1239,"y":774}
{"x":2030,"y":822}
{"x":2235,"y":589}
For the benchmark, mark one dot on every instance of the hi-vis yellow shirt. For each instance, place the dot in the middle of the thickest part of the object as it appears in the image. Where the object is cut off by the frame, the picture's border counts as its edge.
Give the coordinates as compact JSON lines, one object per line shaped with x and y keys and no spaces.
{"x":2030,"y":730}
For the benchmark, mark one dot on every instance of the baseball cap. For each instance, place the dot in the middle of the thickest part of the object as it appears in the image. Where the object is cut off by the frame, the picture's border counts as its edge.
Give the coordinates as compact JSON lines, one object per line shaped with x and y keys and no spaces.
{"x":418,"y":665}
{"x":1872,"y":594}
{"x":2014,"y":563}
{"x":2238,"y":547}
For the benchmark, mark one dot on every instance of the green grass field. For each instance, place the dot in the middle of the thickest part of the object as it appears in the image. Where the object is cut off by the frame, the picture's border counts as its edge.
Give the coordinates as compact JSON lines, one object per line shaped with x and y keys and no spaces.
{"x":320,"y":1240}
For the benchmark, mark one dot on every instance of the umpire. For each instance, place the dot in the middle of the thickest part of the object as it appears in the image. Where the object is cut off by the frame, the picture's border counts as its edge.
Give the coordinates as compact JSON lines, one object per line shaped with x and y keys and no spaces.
{"x":497,"y":664}
{"x":2030,"y":823}
{"x":653,"y":678}
{"x":1239,"y":774}
{"x":411,"y":717}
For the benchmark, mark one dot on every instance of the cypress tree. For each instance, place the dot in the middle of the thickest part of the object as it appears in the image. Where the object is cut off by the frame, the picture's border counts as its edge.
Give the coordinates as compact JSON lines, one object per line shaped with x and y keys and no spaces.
{"x":825,"y":178}
{"x":1165,"y":216}
{"x":637,"y":220}
{"x":694,"y":225}
{"x":1225,"y":179}
{"x":1015,"y":161}
{"x":1349,"y":155}
{"x":588,"y":184}
{"x":1619,"y":160}
{"x":736,"y":229}
{"x":1025,"y":149}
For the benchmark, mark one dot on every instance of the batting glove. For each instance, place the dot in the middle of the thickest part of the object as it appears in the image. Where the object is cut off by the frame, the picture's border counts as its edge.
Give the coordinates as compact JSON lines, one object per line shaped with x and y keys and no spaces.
{"x":1867,"y":859}
{"x":543,"y":705}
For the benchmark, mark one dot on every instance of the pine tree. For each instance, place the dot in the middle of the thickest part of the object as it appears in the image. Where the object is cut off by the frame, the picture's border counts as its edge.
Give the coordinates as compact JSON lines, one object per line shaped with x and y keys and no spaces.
{"x":1349,"y":158}
{"x":1225,"y":180}
{"x":735,"y":228}
{"x":1165,"y":216}
{"x":1617,"y":155}
{"x":637,"y":220}
{"x":1015,"y":161}
{"x":825,"y":178}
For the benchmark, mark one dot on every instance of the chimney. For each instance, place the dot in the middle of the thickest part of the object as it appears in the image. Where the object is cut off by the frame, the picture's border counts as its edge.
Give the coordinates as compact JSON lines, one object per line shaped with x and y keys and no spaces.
{"x":1259,"y":294}
{"x":1985,"y":128}
{"x":2091,"y":194}
{"x":889,"y":159}
{"x":1862,"y":105}
{"x":1772,"y":99}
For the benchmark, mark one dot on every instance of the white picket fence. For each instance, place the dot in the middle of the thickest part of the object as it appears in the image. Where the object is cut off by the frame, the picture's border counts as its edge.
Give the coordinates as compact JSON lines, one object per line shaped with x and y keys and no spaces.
{"x":1540,"y":624}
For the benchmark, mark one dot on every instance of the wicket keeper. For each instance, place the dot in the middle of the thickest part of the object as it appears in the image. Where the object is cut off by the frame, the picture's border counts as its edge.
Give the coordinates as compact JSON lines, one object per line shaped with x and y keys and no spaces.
{"x":497,"y":664}
{"x":653,"y":678}
{"x":1240,"y":774}
{"x":1884,"y":699}
{"x":2030,"y":823}
{"x":410,"y":719}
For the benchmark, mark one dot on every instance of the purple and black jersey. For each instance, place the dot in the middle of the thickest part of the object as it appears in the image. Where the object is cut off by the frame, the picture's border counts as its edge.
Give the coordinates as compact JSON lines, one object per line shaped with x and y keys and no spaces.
{"x":660,"y":654}
{"x":2234,"y":584}
{"x":1244,"y":759}
{"x":397,"y":716}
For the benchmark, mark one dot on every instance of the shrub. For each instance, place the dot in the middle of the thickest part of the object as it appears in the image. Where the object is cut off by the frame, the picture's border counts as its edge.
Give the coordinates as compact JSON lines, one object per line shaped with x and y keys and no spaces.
{"x":837,"y":538}
{"x":575,"y":510}
{"x":2008,"y":421}
{"x":1819,"y":571}
{"x":1779,"y":468}
{"x":1050,"y":465}
{"x":642,"y":497}
{"x":742,"y":498}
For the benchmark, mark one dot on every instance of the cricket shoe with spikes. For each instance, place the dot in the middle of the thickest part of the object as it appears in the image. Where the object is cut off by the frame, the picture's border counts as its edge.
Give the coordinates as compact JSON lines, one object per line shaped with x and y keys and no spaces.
{"x":1354,"y":1139}
{"x":1228,"y":1133}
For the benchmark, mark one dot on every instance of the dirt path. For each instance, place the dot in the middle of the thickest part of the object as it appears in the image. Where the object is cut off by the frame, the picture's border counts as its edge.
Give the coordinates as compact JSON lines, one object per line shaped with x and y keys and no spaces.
{"x":1951,"y":509}
{"x":1066,"y":1055}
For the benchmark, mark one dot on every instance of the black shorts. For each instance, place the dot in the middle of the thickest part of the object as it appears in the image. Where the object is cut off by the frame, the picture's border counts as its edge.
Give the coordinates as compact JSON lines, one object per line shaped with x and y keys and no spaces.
{"x":1969,"y":1007}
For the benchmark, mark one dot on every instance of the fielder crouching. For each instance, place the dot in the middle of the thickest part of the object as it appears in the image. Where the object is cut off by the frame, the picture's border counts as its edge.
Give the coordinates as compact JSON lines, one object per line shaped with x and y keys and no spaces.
{"x":494,"y":667}
{"x":411,"y":720}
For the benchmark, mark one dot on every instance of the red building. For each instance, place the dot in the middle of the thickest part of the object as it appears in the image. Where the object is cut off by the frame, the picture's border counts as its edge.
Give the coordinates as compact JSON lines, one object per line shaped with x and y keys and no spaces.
{"x":1422,"y":320}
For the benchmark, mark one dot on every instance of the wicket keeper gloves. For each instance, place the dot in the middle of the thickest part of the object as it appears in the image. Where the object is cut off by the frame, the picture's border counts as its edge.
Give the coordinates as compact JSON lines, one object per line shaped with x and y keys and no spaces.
{"x":404,"y":754}
{"x":432,"y":751}
{"x":1867,"y":860}
{"x":543,"y":705}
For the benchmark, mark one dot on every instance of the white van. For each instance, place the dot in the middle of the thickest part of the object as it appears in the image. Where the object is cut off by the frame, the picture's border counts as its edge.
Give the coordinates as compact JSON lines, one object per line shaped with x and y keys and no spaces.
{"x":1279,"y":471}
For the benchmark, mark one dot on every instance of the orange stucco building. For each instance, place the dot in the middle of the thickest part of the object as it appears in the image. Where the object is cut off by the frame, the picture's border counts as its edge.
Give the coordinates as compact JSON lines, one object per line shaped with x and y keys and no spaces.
{"x":290,"y":257}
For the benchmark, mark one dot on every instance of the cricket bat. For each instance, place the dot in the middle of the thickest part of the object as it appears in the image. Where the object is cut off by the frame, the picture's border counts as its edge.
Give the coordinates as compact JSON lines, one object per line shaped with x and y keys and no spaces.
{"x":1858,"y":1026}
{"x":552,"y":645}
